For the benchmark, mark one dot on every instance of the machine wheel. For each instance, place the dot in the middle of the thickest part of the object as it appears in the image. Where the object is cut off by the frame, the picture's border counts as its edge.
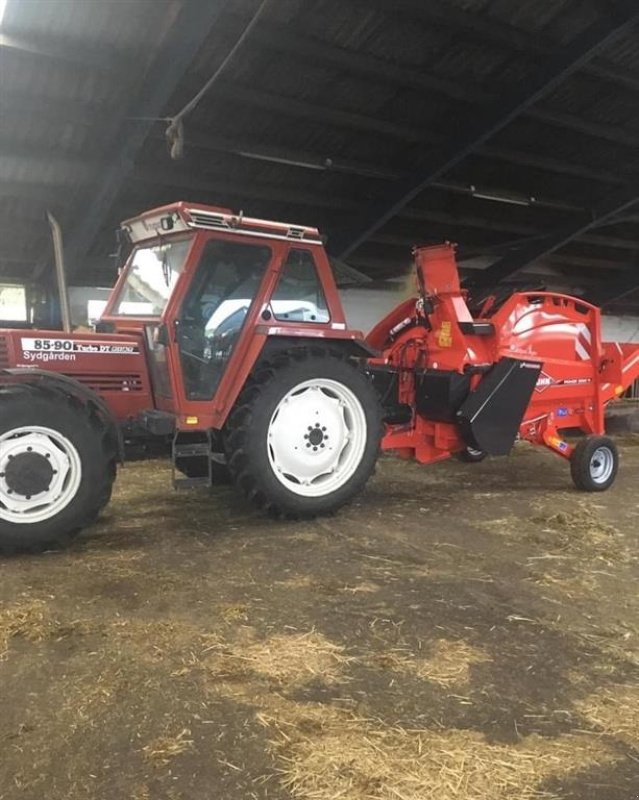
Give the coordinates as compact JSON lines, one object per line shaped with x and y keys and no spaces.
{"x":56,"y":468}
{"x":304,"y":436}
{"x":594,"y":463}
{"x":471,"y":456}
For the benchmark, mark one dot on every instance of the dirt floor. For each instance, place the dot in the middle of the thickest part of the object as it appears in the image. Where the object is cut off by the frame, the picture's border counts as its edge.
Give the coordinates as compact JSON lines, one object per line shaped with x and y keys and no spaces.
{"x":462,"y":631}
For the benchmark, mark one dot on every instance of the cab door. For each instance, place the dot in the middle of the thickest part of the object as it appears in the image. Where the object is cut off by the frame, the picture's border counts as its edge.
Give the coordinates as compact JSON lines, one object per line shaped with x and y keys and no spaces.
{"x":212,"y":315}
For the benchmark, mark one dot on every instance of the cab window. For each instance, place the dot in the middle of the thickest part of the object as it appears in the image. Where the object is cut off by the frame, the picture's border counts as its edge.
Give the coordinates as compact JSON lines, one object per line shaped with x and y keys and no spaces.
{"x":150,"y":278}
{"x":298,"y":296}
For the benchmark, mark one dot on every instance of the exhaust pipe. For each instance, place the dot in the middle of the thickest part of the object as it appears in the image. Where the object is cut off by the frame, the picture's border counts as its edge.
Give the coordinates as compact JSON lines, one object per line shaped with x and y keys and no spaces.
{"x":61,"y":275}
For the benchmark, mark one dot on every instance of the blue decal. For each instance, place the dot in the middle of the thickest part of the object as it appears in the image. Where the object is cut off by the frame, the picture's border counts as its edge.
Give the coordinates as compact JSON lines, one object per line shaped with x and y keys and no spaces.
{"x":563,"y":446}
{"x":562,"y":412}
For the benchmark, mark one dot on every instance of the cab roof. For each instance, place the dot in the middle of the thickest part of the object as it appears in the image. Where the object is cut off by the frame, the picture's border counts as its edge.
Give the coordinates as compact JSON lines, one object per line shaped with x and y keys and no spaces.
{"x":184,"y":216}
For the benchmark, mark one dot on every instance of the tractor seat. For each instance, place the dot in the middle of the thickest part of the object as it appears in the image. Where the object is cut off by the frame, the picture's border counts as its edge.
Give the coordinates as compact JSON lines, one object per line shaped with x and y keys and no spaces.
{"x":477,"y":328}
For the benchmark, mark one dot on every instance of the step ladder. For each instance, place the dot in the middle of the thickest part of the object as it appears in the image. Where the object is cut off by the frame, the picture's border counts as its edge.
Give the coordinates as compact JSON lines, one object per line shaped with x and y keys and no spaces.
{"x":192,"y":446}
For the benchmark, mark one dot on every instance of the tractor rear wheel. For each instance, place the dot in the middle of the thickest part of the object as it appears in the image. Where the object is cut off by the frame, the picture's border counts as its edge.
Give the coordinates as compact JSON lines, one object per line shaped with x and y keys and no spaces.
{"x":57,"y":468}
{"x":594,"y":463}
{"x":304,"y":436}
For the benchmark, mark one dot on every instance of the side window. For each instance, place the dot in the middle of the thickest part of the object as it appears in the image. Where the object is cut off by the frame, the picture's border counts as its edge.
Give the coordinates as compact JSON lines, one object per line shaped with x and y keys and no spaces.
{"x":298,"y":296}
{"x":13,"y":303}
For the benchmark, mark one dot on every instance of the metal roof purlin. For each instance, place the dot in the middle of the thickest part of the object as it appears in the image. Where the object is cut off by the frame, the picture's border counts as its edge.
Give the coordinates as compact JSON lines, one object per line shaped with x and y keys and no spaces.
{"x":473,"y":136}
{"x":612,"y":206}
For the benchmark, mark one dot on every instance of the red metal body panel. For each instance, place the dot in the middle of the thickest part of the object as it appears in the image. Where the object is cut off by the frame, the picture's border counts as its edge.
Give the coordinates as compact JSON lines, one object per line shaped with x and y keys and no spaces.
{"x":114,"y":366}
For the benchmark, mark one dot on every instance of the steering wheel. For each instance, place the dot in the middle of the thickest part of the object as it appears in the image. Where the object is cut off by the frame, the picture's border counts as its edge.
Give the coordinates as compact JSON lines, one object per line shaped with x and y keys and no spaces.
{"x":221,"y":344}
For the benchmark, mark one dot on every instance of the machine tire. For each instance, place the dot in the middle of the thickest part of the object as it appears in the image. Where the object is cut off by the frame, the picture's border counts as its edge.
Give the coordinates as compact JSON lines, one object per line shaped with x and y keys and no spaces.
{"x":594,"y":463}
{"x":51,"y":421}
{"x":253,"y":444}
{"x":470,"y":455}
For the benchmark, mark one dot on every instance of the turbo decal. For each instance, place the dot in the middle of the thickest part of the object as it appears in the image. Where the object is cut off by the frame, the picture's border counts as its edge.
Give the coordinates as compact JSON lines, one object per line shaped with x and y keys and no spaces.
{"x":69,"y":346}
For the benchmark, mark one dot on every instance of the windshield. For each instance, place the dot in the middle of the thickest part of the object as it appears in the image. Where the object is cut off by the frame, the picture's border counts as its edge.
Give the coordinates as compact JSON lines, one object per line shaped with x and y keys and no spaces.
{"x":150,"y":278}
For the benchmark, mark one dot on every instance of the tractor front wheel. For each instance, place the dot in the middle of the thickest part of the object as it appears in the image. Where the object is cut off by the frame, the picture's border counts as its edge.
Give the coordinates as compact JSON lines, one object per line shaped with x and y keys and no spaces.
{"x":594,"y":463}
{"x":57,"y":468}
{"x":305,"y":433}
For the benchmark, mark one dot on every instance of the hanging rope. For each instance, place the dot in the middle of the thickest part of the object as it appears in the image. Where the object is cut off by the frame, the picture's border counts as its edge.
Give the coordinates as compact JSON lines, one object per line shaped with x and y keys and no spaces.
{"x":175,"y":130}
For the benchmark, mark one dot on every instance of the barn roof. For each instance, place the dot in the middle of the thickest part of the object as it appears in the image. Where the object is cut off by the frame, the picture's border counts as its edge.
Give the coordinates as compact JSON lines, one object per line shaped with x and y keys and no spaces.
{"x":510,"y":128}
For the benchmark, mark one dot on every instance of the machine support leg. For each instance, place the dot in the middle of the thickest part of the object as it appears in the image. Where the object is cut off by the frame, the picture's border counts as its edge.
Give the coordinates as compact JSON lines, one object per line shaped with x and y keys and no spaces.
{"x":553,"y":441}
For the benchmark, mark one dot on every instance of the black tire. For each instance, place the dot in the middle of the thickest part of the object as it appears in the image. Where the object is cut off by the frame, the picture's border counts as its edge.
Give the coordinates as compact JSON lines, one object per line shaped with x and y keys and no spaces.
{"x":247,"y":430}
{"x":594,"y":463}
{"x":111,"y":466}
{"x":26,"y":405}
{"x":469,"y":455}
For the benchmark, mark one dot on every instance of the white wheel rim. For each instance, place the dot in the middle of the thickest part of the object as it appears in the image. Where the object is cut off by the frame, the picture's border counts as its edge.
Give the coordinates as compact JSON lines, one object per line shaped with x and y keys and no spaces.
{"x":317,"y":437}
{"x":602,"y":463}
{"x":43,"y":446}
{"x":475,"y":453}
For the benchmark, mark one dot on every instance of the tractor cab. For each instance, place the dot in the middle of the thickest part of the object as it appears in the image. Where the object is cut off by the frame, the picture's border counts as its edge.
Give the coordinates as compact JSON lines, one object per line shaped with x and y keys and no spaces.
{"x":206,"y":289}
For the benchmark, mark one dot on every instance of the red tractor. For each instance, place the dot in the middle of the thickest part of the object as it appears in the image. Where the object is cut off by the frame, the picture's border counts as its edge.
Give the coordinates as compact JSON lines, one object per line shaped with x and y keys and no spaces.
{"x":227,"y":334}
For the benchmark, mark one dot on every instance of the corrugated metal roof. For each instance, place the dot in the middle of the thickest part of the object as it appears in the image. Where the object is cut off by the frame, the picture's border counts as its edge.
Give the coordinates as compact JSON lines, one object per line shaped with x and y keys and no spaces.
{"x":375,"y":88}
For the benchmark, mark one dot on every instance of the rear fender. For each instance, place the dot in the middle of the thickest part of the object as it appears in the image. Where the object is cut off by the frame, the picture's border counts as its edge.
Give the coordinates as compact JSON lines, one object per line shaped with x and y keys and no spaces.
{"x":353,"y":344}
{"x":265,"y":342}
{"x":269,"y":343}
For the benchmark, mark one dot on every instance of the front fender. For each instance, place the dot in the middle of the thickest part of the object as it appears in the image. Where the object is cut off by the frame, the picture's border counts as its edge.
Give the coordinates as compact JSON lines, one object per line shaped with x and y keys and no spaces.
{"x":71,"y":388}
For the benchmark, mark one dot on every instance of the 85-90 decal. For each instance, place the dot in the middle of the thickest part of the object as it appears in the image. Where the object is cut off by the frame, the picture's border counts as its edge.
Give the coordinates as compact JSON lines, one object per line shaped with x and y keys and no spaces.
{"x":49,"y":349}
